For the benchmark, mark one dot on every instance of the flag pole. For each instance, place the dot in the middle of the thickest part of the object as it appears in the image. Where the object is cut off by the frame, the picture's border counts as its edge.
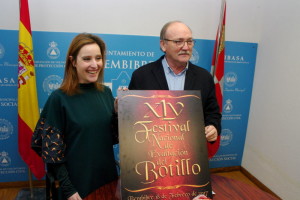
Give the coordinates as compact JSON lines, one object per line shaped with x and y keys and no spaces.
{"x":30,"y":183}
{"x":217,"y":42}
{"x":220,"y":28}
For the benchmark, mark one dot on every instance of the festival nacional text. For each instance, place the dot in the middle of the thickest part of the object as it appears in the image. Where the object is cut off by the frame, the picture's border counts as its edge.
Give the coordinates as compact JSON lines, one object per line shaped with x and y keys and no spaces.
{"x":161,"y":129}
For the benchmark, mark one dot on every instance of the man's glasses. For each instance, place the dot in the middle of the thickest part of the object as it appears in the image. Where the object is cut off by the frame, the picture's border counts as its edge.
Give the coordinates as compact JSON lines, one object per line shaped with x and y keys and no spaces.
{"x":181,"y":43}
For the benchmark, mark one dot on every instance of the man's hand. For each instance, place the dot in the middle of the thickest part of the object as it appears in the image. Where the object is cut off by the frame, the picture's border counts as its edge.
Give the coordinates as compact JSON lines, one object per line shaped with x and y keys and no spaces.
{"x":211,"y":133}
{"x":75,"y":197}
{"x":201,"y":197}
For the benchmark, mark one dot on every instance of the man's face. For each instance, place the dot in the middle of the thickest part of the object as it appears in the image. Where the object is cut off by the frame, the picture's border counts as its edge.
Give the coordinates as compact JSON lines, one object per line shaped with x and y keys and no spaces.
{"x":177,"y":55}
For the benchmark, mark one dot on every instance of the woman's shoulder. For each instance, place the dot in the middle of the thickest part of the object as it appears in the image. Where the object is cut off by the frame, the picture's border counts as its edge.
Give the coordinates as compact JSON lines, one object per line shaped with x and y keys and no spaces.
{"x":106,"y":88}
{"x":56,"y":95}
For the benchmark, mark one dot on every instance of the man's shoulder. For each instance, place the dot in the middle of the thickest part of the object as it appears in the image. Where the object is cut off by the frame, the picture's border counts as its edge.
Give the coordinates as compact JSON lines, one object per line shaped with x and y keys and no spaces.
{"x":149,"y":66}
{"x":197,"y":69}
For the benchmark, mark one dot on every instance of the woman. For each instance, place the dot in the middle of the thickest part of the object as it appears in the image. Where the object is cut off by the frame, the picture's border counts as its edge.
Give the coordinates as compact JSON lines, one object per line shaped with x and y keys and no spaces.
{"x":74,"y":134}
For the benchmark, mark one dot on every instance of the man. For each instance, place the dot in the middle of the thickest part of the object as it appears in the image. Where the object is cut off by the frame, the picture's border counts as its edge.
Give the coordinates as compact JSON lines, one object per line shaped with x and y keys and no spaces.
{"x":173,"y":71}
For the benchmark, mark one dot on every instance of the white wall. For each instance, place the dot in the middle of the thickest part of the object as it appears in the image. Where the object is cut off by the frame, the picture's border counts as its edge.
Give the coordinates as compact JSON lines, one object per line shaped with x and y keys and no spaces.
{"x":134,"y":17}
{"x":271,"y":151}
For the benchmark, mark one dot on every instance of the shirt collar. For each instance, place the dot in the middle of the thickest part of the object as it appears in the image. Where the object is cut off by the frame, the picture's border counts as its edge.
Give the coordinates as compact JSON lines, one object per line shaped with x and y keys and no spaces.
{"x":169,"y":70}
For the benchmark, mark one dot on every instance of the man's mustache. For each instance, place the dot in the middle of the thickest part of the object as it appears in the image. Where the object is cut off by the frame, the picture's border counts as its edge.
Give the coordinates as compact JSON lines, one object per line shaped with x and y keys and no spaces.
{"x":184,"y":53}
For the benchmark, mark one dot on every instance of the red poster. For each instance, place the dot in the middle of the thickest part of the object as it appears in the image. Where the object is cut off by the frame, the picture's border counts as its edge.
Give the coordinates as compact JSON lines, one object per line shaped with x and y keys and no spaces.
{"x":163,"y":150}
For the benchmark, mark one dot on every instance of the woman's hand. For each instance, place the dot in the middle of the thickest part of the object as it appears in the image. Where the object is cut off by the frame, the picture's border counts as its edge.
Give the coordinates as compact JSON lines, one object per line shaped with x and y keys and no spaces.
{"x":116,"y":99}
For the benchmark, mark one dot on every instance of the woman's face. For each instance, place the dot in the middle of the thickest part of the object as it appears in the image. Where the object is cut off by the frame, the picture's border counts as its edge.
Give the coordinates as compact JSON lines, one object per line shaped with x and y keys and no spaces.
{"x":88,"y":63}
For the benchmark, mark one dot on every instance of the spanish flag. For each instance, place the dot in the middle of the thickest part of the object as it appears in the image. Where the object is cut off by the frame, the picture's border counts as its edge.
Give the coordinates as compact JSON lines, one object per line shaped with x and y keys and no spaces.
{"x":217,"y":71}
{"x":28,"y":112}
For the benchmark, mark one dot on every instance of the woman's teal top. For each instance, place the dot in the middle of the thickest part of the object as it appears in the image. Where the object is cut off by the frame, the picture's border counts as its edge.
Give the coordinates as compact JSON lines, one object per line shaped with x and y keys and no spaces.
{"x":74,"y":138}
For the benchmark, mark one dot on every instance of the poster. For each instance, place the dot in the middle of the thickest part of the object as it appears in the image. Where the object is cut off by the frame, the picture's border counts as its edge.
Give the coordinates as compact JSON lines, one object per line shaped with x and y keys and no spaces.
{"x":163,"y":150}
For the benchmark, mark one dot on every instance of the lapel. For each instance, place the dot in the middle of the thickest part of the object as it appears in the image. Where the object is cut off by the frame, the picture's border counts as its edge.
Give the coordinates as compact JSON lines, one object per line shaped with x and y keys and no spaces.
{"x":159,"y":74}
{"x":190,"y":78}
